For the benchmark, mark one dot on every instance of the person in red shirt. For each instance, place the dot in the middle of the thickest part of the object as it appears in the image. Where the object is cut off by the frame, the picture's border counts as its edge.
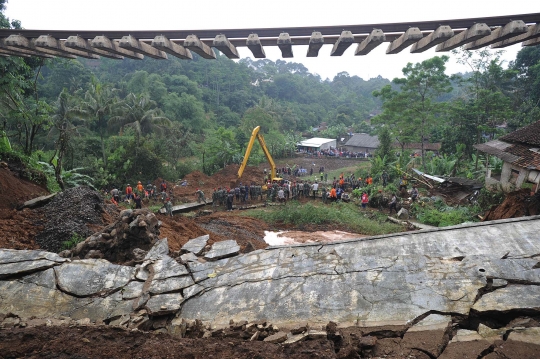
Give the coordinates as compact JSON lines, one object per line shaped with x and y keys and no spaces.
{"x":365,"y":200}
{"x":129,"y":192}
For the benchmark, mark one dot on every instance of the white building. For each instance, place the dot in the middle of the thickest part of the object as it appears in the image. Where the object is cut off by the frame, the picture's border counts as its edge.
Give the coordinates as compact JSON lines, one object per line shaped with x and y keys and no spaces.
{"x":317,"y":144}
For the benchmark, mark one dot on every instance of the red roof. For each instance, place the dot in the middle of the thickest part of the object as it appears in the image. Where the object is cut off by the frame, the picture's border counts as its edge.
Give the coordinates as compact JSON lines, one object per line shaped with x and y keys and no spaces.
{"x":529,"y":135}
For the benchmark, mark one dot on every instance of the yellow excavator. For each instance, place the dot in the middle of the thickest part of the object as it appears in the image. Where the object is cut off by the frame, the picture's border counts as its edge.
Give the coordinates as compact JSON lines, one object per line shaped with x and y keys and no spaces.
{"x":260,"y":138}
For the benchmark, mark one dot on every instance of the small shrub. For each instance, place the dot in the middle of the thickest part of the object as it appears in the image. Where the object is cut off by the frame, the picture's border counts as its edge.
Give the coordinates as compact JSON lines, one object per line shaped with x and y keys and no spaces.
{"x":74,"y":240}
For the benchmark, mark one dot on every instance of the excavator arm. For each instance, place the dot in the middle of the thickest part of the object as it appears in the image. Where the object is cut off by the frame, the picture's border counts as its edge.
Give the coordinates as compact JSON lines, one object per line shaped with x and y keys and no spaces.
{"x":260,"y":138}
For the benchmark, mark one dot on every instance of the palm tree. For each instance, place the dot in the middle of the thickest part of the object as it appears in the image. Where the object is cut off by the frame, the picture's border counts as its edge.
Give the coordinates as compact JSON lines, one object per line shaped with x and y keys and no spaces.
{"x":100,"y":103}
{"x":64,"y":119}
{"x":141,"y":113}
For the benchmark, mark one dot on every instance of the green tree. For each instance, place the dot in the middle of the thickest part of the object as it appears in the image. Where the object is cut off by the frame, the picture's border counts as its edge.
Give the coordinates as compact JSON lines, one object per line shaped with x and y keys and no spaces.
{"x":141,"y":113}
{"x":385,"y":145}
{"x":99,"y":104}
{"x":64,"y":120}
{"x":485,"y":94}
{"x":414,"y":106}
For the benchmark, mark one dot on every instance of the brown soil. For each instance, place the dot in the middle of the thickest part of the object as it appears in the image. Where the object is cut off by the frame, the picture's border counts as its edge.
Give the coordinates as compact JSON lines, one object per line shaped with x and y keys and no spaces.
{"x":105,"y":342}
{"x":15,"y":190}
{"x":85,"y":342}
{"x":516,"y":204}
{"x":198,"y":180}
{"x":248,"y":232}
{"x":18,"y":228}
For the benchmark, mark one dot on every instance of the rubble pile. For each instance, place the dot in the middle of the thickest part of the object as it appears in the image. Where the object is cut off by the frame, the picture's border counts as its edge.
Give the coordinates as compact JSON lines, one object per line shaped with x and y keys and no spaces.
{"x":516,"y":204}
{"x":369,"y":297}
{"x":124,"y":242}
{"x":70,"y":212}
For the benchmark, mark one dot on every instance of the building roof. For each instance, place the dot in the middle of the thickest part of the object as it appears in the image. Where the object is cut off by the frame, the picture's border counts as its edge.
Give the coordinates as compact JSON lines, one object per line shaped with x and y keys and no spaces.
{"x":418,"y":146}
{"x":518,"y":154}
{"x":363,"y":140}
{"x":315,"y":142}
{"x":520,"y":148}
{"x":529,"y":135}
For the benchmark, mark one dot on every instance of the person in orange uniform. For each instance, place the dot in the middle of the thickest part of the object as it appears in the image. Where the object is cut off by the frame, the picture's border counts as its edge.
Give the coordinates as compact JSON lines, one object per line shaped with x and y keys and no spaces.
{"x":129,"y":192}
{"x":140,"y":187}
{"x":333,"y":194}
{"x":369,"y":180}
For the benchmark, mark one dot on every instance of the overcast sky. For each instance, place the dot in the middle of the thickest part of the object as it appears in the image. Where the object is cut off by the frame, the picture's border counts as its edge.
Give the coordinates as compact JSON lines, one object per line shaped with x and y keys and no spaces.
{"x":213,"y":14}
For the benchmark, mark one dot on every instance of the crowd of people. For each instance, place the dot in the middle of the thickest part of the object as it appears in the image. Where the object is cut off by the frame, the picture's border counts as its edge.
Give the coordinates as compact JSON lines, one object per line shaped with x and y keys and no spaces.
{"x":337,"y":189}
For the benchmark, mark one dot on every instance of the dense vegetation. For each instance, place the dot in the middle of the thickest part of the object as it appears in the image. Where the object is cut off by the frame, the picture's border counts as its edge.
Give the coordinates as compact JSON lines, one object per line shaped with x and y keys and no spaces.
{"x":117,"y":121}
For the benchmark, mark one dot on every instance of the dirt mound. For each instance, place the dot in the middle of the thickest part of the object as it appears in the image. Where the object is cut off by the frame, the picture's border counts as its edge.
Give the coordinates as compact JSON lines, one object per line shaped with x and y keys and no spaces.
{"x":516,"y":204}
{"x":19,"y":228}
{"x":16,"y":189}
{"x":78,"y":210}
{"x":248,"y":232}
{"x":221,"y":178}
{"x":123,"y":242}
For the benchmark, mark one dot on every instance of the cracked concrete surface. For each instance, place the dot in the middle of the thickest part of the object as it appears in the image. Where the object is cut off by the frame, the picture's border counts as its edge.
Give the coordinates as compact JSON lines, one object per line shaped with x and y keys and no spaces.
{"x":385,"y":280}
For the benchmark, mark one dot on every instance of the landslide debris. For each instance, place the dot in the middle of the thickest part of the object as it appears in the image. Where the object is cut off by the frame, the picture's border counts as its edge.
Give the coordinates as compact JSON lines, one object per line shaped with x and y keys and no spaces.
{"x":77,"y":211}
{"x":123,"y":242}
{"x":516,"y":204}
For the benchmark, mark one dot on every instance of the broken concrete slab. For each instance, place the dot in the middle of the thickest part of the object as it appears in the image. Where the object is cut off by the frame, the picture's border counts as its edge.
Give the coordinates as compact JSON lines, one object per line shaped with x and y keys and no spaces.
{"x":196,"y":245}
{"x":223,"y":249}
{"x":13,"y":256}
{"x":18,"y":268}
{"x":133,"y":290}
{"x":491,"y":335}
{"x":193,"y":290}
{"x":526,"y":335}
{"x":30,"y":300}
{"x":189,"y":257}
{"x":514,"y":297}
{"x":432,"y":322}
{"x":44,"y":278}
{"x":37,"y":202}
{"x":160,"y":249}
{"x":92,"y":276}
{"x":164,"y":303}
{"x":464,"y":335}
{"x":278,"y":337}
{"x":167,"y":267}
{"x":170,"y":284}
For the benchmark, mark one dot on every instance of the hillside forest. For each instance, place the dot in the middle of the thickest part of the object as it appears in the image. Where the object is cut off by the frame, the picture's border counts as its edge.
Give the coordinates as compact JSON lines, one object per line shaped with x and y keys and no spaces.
{"x":111,"y":122}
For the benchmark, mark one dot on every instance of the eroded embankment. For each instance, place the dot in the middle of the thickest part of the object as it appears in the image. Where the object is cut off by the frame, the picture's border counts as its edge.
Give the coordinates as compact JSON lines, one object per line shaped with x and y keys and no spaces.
{"x":427,"y":294}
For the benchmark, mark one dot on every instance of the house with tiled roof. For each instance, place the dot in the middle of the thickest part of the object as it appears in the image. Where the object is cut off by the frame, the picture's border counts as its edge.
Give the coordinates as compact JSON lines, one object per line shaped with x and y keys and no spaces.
{"x":362,"y":143}
{"x":520,"y":152}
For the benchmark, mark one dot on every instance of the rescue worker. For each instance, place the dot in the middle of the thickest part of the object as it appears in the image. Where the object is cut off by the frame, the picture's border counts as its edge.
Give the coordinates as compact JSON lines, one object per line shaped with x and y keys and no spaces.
{"x":393,"y":203}
{"x":138,"y":200}
{"x":129,"y":192}
{"x":115,"y":195}
{"x":230,"y":198}
{"x":333,"y":194}
{"x":140,"y":188}
{"x":384,"y":178}
{"x":324,"y":195}
{"x":200,"y":196}
{"x":414,"y":193}
{"x":168,"y":207}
